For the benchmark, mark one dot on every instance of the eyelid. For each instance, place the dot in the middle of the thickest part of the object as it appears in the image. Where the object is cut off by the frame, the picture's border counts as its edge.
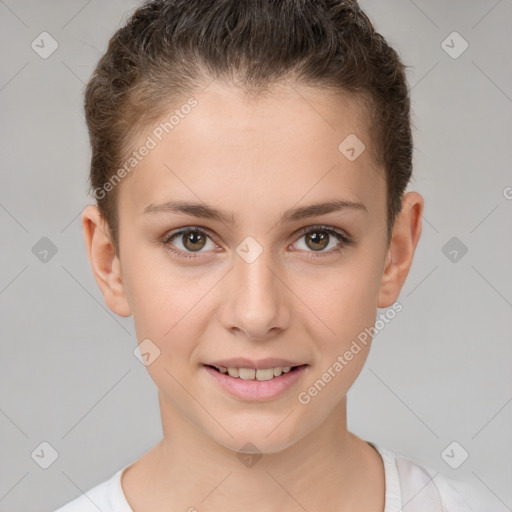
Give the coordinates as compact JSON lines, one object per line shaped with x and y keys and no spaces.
{"x":167,"y":237}
{"x":301,"y":231}
{"x":323,"y":227}
{"x":344,"y":238}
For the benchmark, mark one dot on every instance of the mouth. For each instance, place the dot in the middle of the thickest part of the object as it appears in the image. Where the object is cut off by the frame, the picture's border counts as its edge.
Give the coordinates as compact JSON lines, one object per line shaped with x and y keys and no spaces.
{"x":260,"y":374}
{"x":267,"y":382}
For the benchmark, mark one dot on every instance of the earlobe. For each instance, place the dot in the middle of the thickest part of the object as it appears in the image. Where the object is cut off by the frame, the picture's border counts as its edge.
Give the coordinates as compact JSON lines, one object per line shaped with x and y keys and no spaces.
{"x":104,"y":262}
{"x":405,"y":237}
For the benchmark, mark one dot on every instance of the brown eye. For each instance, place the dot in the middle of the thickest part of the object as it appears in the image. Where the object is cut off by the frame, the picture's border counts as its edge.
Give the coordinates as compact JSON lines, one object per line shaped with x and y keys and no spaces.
{"x":323,"y":240}
{"x":317,"y":240}
{"x":185,"y":242}
{"x":193,"y":240}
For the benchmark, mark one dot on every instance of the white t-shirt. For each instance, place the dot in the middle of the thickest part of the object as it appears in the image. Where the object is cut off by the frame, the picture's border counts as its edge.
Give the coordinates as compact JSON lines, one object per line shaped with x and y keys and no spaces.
{"x":409,"y":488}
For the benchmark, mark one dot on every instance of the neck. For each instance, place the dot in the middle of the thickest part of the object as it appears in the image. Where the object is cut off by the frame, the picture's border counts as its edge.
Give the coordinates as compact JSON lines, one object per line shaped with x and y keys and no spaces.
{"x":328,"y":469}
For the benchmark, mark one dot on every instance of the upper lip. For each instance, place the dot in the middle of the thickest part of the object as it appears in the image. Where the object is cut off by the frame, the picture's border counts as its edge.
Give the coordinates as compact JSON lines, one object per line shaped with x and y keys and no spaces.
{"x":260,"y":364}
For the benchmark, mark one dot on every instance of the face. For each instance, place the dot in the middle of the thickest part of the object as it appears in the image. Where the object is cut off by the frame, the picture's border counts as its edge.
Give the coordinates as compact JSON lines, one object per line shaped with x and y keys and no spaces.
{"x":224,"y":261}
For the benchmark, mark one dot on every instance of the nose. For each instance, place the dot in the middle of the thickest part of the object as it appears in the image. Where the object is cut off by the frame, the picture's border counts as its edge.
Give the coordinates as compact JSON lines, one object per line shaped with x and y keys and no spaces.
{"x":257,"y":303}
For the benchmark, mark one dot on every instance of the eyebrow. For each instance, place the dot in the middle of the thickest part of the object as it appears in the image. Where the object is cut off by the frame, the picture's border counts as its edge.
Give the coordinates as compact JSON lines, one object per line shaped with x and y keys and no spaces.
{"x":208,"y":212}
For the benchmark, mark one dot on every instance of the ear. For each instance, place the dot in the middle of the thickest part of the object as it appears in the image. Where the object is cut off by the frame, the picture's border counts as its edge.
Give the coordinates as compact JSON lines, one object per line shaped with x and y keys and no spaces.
{"x":404,"y":239}
{"x":104,"y":262}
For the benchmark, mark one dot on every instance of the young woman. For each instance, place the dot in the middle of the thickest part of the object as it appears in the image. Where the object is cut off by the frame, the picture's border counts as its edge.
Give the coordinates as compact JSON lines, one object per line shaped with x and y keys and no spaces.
{"x":249,"y":165}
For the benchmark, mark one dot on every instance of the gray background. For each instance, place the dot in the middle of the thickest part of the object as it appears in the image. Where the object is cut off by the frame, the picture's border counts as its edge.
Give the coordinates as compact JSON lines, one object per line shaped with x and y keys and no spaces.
{"x":438,"y":373}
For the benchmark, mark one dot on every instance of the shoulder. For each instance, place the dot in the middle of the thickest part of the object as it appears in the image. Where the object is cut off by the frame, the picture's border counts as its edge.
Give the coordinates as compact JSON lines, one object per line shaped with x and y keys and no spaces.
{"x":423,"y":486}
{"x":101,"y":497}
{"x":411,"y":487}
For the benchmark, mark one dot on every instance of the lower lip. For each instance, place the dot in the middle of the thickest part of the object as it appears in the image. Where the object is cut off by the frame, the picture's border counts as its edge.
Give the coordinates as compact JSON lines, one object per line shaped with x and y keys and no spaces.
{"x":255,"y":390}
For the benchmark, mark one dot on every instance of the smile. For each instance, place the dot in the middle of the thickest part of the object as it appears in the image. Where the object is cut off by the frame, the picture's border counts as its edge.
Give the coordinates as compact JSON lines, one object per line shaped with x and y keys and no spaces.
{"x":256,"y":384}
{"x":260,"y":374}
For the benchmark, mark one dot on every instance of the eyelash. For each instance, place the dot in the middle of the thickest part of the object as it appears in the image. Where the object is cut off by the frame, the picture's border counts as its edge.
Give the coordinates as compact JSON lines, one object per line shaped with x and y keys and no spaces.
{"x":339,"y":235}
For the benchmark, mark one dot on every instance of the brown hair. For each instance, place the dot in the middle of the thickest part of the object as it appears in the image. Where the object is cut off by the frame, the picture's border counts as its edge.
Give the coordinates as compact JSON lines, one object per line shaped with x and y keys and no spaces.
{"x":169,"y":48}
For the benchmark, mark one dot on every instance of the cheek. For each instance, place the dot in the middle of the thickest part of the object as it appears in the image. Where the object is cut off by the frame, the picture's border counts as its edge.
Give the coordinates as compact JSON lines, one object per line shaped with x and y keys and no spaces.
{"x":345,"y":307}
{"x":172,"y":307}
{"x":343,"y":302}
{"x":161,"y":295}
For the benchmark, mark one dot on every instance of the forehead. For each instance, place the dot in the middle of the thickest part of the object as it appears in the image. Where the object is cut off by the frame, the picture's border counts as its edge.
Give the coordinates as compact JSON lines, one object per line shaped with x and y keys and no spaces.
{"x":242,"y":149}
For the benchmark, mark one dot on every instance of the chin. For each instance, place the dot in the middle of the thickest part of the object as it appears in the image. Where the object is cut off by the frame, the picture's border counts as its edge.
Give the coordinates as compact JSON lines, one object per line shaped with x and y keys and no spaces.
{"x":257,"y":439}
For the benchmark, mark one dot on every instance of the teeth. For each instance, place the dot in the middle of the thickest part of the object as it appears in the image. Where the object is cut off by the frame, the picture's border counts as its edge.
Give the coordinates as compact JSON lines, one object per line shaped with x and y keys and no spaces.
{"x":251,"y":373}
{"x":246,"y":373}
{"x":234,"y":372}
{"x":266,"y":374}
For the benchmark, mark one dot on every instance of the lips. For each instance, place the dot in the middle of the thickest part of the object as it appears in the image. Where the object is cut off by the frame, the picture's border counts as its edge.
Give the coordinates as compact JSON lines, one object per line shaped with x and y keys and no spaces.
{"x":262,"y":370}
{"x":250,"y":384}
{"x":260,"y":374}
{"x":261,"y":364}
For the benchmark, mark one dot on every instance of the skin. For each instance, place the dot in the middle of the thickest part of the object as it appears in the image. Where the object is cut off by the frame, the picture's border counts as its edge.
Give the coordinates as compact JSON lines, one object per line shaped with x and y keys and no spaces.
{"x":255,"y":159}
